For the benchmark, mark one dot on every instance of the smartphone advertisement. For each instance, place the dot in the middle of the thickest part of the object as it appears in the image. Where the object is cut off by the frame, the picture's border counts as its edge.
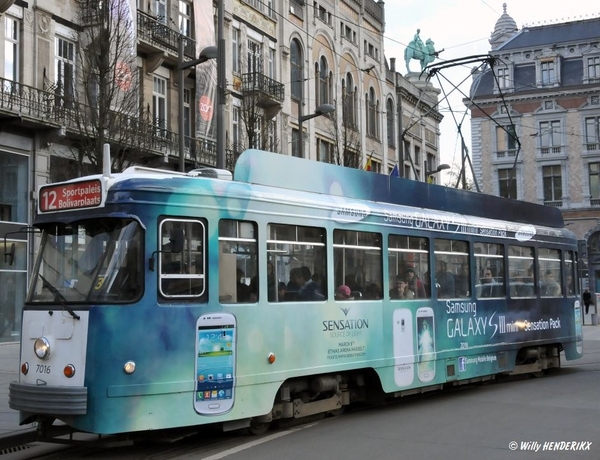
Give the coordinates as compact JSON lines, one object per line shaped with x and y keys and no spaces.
{"x":215,"y":363}
{"x":425,"y":344}
{"x":403,"y":347}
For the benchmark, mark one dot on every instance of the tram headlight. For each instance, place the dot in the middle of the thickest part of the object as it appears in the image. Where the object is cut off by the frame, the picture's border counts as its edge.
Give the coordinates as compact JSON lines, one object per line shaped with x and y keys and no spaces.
{"x":41,"y":347}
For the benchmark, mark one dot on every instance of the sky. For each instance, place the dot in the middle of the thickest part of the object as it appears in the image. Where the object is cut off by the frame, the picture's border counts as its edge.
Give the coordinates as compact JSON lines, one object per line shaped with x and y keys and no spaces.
{"x":463,"y":28}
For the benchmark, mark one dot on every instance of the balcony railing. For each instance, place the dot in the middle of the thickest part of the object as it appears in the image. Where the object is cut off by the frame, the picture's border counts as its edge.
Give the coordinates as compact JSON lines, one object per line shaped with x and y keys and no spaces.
{"x":256,"y":81}
{"x":158,"y":34}
{"x":554,"y":204}
{"x":48,"y":109}
{"x":26,"y":101}
{"x":551,"y":150}
{"x":506,"y":153}
{"x":592,"y":146}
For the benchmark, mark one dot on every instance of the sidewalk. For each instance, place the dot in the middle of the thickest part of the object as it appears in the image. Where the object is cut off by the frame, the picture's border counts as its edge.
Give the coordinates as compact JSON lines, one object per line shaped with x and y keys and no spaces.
{"x":9,"y":368}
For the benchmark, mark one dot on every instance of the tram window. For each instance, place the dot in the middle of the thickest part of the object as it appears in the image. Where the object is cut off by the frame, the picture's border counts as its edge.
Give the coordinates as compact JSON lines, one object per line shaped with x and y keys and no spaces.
{"x":489,"y":266}
{"x":238,"y":261}
{"x":182,"y":274}
{"x":450,"y":257}
{"x":299,"y":258}
{"x":550,"y":272}
{"x":408,"y":261}
{"x":571,"y":286}
{"x":357,"y":263}
{"x":520,"y":271}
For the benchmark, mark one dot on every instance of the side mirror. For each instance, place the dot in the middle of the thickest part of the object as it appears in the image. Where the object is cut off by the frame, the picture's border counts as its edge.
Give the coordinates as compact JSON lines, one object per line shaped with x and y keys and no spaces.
{"x":9,"y":256}
{"x":176,"y":240}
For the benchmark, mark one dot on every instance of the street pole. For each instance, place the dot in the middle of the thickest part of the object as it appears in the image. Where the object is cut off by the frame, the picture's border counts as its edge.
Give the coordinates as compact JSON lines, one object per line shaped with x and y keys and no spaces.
{"x":220,"y":87}
{"x":181,"y":83}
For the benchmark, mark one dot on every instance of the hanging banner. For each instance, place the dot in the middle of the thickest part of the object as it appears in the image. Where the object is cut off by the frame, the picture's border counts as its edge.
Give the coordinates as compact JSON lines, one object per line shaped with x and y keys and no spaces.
{"x":206,"y":73}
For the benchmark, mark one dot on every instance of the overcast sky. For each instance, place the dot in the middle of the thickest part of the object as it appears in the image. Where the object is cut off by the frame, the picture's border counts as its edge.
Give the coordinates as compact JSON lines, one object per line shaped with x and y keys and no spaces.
{"x":463,"y":28}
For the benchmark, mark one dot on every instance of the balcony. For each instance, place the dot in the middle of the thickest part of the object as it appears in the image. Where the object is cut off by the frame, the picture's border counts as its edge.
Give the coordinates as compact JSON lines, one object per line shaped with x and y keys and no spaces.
{"x":34,"y":108}
{"x":29,"y":106}
{"x":158,"y":39}
{"x":267,"y":92}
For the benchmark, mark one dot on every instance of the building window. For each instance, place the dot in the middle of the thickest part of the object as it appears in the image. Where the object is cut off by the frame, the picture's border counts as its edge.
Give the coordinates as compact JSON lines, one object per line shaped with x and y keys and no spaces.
{"x":160,"y":10}
{"x":371,"y":113}
{"x":391,"y":132}
{"x":159,"y":105}
{"x":297,"y":77}
{"x":506,"y":141}
{"x":507,"y":183}
{"x":325,"y":151}
{"x":552,"y":183}
{"x":11,"y":49}
{"x":13,"y":199}
{"x":296,"y":139}
{"x":236,"y":130}
{"x":550,"y":141}
{"x":254,"y":57}
{"x":594,"y":67}
{"x":592,"y":133}
{"x":349,"y":104}
{"x":503,"y":78}
{"x":235,"y":50}
{"x":271,"y":64}
{"x":65,"y":72}
{"x":185,"y":18}
{"x":323,"y":89}
{"x":548,"y":74}
{"x":594,"y":171}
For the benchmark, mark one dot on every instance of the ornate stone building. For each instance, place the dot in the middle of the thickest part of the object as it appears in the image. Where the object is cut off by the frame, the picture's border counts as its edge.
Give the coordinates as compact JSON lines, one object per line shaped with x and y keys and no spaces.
{"x":535,"y":123}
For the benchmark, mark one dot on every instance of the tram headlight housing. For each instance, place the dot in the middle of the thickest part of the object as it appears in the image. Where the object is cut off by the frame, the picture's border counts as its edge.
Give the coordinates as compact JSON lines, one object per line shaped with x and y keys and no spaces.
{"x":41,"y":348}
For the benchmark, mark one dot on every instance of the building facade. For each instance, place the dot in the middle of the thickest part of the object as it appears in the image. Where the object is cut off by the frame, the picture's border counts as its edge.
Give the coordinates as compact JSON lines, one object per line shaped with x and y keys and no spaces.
{"x":77,"y":74}
{"x":535,"y":124}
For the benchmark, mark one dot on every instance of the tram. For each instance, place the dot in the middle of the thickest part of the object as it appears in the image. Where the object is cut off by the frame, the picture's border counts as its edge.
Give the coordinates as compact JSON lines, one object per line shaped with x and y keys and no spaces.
{"x":291,"y":288}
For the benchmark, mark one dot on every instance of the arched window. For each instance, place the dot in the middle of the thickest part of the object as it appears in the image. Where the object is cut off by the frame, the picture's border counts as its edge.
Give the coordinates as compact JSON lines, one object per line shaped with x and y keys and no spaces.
{"x":324,"y":93}
{"x":371,"y":112}
{"x":296,"y":77}
{"x":389,"y":111}
{"x":349,"y":106}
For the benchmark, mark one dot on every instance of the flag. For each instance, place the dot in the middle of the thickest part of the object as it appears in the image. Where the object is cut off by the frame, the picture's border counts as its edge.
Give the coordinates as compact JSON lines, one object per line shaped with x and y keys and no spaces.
{"x":369,"y":163}
{"x":395,"y":172}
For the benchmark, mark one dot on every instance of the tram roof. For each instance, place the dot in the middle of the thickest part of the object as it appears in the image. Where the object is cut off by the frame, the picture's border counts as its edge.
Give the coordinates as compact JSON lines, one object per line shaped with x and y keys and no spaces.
{"x":276,"y":170}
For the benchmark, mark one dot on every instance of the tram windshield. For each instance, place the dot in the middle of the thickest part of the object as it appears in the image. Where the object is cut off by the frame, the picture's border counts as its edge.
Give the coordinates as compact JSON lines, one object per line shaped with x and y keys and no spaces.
{"x":93,"y":260}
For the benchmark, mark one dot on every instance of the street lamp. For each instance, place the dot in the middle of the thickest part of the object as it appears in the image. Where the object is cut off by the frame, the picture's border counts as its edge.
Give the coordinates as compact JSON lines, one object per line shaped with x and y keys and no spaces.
{"x":210,"y":52}
{"x":429,"y":174}
{"x":323,"y":109}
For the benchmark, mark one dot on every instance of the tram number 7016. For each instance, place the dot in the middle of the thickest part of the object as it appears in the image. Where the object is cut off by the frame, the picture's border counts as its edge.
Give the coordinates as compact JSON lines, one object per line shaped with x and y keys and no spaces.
{"x":42,"y":369}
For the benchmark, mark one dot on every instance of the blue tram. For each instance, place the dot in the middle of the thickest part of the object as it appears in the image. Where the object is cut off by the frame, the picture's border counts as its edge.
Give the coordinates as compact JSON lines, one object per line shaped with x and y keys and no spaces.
{"x":161,"y":299}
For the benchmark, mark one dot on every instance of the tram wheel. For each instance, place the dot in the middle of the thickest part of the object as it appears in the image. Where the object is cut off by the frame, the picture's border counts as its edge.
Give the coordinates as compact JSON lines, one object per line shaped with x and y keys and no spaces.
{"x":337,"y":412}
{"x":259,"y":428}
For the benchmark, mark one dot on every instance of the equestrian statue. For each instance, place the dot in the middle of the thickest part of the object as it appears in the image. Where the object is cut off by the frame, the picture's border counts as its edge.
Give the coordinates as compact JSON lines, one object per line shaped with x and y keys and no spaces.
{"x":425,"y":53}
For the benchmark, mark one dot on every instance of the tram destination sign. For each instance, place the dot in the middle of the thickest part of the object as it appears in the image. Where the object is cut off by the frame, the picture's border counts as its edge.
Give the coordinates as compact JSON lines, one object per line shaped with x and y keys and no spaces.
{"x":71,"y":195}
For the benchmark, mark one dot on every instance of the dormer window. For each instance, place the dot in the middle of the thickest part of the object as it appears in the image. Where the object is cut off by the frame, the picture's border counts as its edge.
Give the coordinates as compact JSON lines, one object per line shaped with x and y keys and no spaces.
{"x":548,"y":73}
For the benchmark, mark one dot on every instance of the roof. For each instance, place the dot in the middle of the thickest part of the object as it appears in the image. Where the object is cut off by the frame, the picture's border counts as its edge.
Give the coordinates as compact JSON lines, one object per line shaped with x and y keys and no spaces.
{"x":553,"y":34}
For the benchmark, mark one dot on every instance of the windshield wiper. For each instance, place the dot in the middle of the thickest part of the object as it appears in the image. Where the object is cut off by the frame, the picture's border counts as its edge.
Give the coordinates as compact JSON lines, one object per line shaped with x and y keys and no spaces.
{"x":58,"y":296}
